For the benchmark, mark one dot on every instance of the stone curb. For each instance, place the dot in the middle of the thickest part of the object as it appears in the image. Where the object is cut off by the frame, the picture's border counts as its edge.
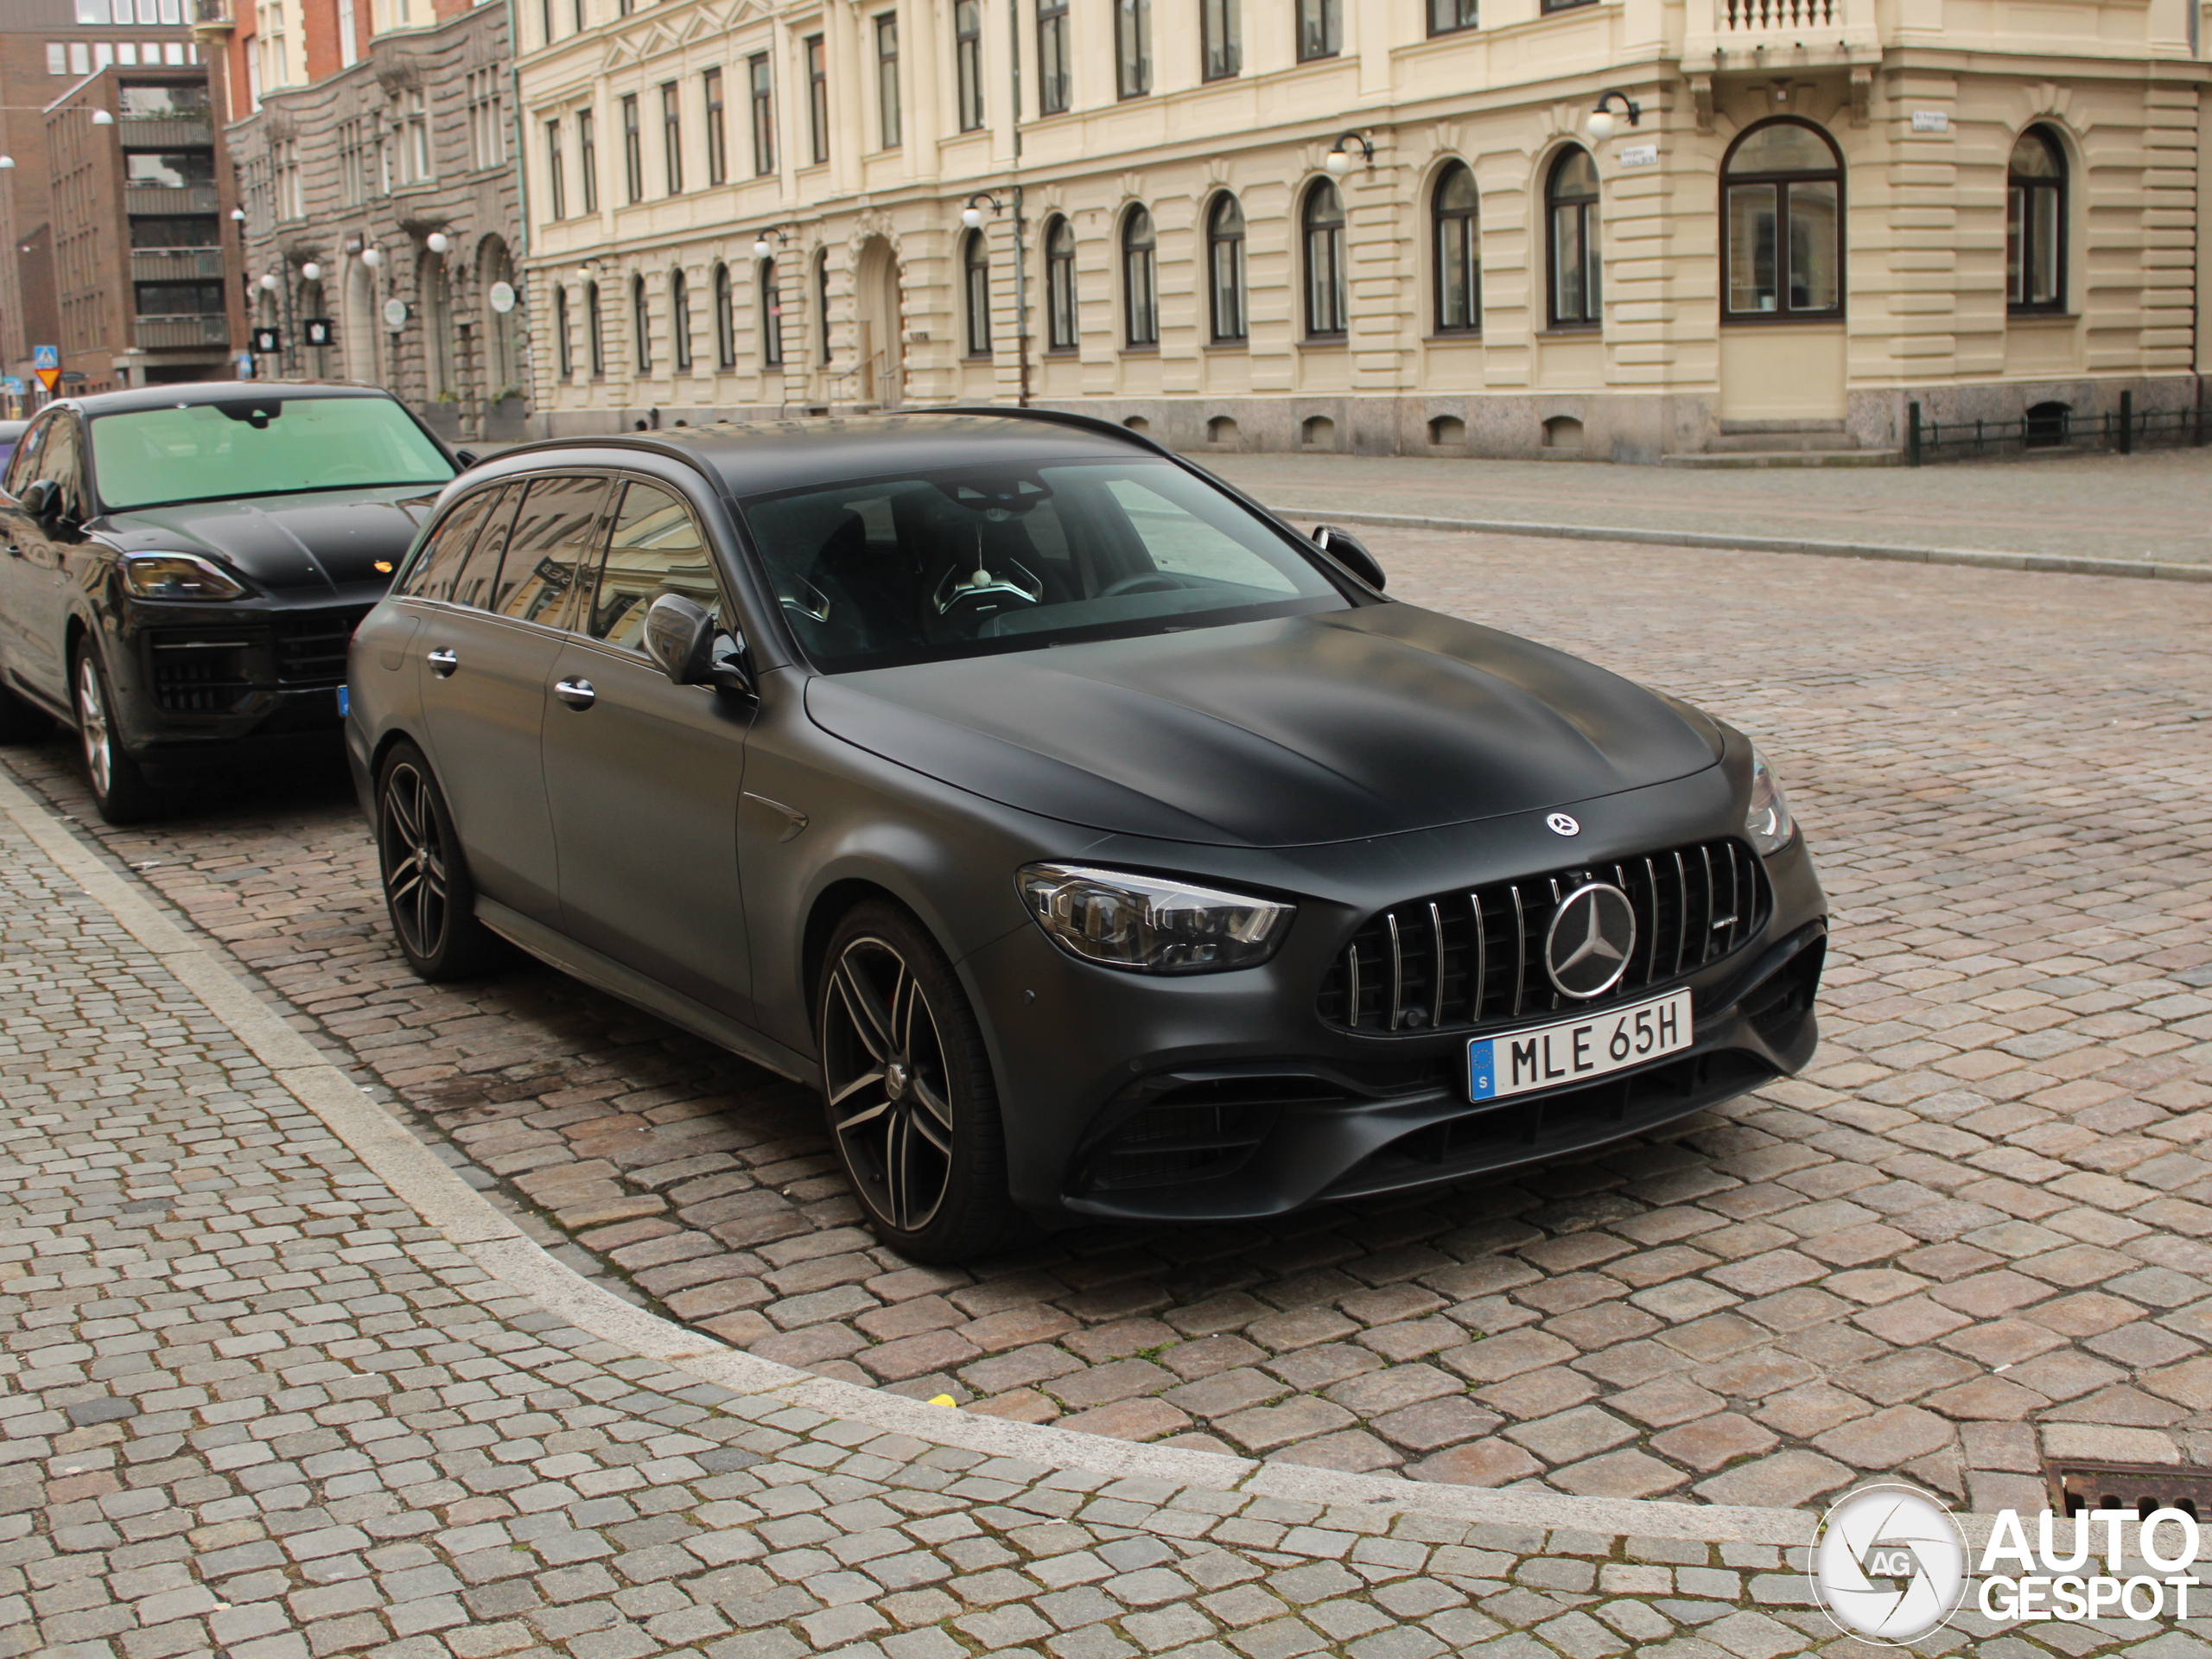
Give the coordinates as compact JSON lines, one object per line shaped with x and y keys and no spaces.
{"x":2141,"y":569}
{"x":466,"y":1218}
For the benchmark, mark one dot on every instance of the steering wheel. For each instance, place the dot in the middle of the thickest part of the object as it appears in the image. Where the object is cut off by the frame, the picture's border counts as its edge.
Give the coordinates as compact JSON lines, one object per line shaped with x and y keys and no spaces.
{"x":1144,"y":581}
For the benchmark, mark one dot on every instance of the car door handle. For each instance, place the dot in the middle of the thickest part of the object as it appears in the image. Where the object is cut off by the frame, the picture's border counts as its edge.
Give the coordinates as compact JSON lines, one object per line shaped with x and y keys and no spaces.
{"x":577,"y":694}
{"x":445,"y":660}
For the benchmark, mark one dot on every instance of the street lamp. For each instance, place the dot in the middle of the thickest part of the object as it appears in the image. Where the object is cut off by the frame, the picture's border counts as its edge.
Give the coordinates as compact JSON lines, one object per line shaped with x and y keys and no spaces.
{"x":1602,"y":123}
{"x":269,"y":283}
{"x":102,"y":119}
{"x":311,"y":271}
{"x":372,"y":258}
{"x":1337,"y":162}
{"x":763,"y":248}
{"x":972,"y":216}
{"x":7,"y":164}
{"x":437,"y":242}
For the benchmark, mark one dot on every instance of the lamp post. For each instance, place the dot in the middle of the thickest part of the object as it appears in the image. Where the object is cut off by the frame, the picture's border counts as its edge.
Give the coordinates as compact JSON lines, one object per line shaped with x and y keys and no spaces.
{"x":1602,"y":123}
{"x":1338,"y":161}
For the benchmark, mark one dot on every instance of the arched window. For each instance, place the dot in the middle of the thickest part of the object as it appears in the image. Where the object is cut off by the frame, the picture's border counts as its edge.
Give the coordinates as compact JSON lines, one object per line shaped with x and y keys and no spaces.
{"x":725,"y":321}
{"x":1225,"y":268}
{"x":2035,"y":224}
{"x":679,"y":320}
{"x":772,"y":318}
{"x":1140,"y":280}
{"x":976,"y":265}
{"x":595,"y":330}
{"x":641,"y":325}
{"x":564,"y":348}
{"x":1060,"y":286}
{"x":1328,"y":301}
{"x":1571,"y":213}
{"x":1459,"y":252}
{"x":822,"y":305}
{"x":1782,"y":223}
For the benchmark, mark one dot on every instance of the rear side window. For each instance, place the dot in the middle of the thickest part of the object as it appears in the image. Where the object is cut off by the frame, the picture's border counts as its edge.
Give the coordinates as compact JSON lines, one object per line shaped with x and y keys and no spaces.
{"x":476,"y":581}
{"x":656,"y":548}
{"x":558,"y":527}
{"x":448,"y":550}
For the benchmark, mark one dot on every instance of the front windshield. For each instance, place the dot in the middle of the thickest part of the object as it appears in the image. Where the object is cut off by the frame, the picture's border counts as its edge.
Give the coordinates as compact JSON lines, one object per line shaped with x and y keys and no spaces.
{"x":938,"y":564}
{"x":258,"y":445}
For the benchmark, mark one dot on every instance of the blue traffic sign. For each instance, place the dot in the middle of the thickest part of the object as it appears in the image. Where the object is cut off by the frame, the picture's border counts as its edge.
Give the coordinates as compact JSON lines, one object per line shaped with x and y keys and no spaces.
{"x":46,"y":357}
{"x":12,"y":384}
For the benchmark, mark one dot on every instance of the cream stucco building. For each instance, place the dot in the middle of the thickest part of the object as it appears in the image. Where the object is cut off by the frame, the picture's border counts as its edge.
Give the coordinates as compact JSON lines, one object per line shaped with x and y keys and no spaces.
{"x":1824,"y":211}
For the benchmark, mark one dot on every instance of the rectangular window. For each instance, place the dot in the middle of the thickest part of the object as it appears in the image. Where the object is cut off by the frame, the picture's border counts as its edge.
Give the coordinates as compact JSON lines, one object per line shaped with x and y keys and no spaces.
{"x":587,"y":158}
{"x":80,"y":63}
{"x":762,"y":92}
{"x":634,"y":151}
{"x":717,"y":131}
{"x":487,"y":126}
{"x":967,"y":62}
{"x":349,"y":36}
{"x":1132,"y":48}
{"x":1449,"y":17}
{"x":1220,"y":41}
{"x":1051,"y":57}
{"x":93,"y":11}
{"x":57,"y":57}
{"x":415,"y":140}
{"x":671,"y":138}
{"x":1321,"y":29}
{"x":817,"y":98}
{"x":556,"y":186}
{"x":887,"y":79}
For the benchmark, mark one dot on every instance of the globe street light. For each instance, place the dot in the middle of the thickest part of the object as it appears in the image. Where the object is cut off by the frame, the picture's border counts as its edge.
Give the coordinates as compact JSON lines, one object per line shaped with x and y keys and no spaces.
{"x":1602,"y":123}
{"x":311,"y":271}
{"x":1338,"y":161}
{"x":764,"y":249}
{"x":972,"y":216}
{"x":437,"y":242}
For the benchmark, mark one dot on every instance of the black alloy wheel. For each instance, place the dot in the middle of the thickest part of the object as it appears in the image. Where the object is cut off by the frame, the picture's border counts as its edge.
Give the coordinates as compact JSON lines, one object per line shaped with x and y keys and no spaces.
{"x":427,"y":889}
{"x":119,"y":789}
{"x":908,"y":1090}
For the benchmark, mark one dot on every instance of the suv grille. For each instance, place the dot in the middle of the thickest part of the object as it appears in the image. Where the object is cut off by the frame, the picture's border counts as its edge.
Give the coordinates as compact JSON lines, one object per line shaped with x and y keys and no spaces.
{"x":200,"y":676}
{"x":311,"y":648}
{"x":1472,"y":958}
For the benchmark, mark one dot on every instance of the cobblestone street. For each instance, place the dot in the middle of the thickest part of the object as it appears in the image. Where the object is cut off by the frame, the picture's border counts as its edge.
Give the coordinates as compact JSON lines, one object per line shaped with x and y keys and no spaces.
{"x":1974,"y":1234}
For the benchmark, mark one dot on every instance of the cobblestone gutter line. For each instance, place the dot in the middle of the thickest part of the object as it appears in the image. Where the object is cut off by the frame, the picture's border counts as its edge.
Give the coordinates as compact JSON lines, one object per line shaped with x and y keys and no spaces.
{"x":2146,"y":570}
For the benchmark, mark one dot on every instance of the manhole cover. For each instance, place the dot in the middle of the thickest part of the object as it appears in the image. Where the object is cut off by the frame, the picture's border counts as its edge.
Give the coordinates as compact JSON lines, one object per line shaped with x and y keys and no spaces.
{"x":2078,"y":1484}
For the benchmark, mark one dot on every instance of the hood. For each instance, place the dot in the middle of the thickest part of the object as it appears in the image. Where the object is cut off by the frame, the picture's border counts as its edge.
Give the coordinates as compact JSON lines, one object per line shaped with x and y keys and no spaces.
{"x":328,"y":539}
{"x":1306,"y":730}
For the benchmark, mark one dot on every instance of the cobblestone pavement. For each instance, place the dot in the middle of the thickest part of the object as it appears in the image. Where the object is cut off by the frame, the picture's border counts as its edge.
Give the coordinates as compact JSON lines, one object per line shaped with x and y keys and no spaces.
{"x":250,"y":1403}
{"x":2146,"y":506}
{"x":1972,"y":1235}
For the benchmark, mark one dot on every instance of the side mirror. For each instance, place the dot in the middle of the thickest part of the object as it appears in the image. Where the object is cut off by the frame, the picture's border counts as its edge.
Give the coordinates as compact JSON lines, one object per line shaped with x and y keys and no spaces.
{"x":468,"y":458}
{"x":681,"y":637}
{"x":1350,"y":552}
{"x":42,"y":499}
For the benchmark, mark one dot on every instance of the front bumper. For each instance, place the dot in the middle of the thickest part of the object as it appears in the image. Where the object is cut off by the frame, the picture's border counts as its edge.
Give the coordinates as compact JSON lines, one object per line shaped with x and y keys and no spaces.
{"x":1225,"y":1096}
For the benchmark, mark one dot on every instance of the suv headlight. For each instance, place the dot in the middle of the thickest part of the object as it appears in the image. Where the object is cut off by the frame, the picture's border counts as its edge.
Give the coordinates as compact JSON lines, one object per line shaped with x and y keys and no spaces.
{"x":178,"y":576}
{"x":1767,"y":824}
{"x":1151,"y":923}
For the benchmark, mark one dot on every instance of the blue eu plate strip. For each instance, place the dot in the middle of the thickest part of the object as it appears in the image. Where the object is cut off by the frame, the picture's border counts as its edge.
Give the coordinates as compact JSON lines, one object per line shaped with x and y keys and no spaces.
{"x":1482,"y":1083}
{"x":345,"y":702}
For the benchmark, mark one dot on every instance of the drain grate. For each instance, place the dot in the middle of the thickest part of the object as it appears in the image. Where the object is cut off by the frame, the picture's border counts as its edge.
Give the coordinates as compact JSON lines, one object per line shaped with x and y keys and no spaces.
{"x":2079,"y":1484}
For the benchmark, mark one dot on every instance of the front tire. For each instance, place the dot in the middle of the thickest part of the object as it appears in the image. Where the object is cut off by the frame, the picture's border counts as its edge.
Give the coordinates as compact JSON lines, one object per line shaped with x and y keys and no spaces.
{"x":120,"y":790}
{"x":907,"y":1087}
{"x":426,"y":890}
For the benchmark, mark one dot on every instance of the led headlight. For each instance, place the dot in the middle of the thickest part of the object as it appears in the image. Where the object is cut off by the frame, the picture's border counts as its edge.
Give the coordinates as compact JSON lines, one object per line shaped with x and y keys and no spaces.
{"x":1767,"y":824}
{"x":178,"y":576}
{"x":1151,"y":923}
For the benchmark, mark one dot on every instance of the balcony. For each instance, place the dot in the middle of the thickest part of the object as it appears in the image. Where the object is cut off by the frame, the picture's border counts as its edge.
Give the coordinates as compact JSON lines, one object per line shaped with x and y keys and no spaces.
{"x":176,"y":264}
{"x":169,"y":200}
{"x":157,"y":334}
{"x":1778,"y":34}
{"x":166,"y":131}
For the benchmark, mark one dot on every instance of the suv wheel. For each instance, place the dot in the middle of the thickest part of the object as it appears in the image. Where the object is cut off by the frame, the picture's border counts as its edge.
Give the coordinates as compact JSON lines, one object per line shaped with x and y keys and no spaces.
{"x":119,"y":789}
{"x":908,"y":1090}
{"x":427,"y":889}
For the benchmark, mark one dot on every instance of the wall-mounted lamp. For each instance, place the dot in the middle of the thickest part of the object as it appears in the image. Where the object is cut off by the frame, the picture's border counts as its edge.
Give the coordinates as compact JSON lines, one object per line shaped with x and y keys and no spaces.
{"x":311,"y":271}
{"x":7,"y":164}
{"x":764,"y":249}
{"x":1602,"y":123}
{"x":1337,"y":162}
{"x":372,"y":258}
{"x":972,"y":215}
{"x":437,"y":242}
{"x":237,"y":215}
{"x":102,"y":119}
{"x":269,"y":283}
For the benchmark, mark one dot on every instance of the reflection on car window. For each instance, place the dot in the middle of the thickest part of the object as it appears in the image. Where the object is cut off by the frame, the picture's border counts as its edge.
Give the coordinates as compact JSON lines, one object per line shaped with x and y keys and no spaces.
{"x":951,"y":563}
{"x":478,"y":580}
{"x":556,"y":529}
{"x":656,"y":548}
{"x":58,"y":462}
{"x":431,"y":575}
{"x":251,"y":445}
{"x":23,"y":465}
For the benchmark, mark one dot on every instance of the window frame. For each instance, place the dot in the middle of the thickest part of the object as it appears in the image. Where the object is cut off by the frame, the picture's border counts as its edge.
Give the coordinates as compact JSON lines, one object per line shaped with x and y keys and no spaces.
{"x":1055,"y":85}
{"x":822,"y":306}
{"x":1063,"y":318}
{"x":1337,"y":277}
{"x":672,"y":137}
{"x":1458,"y":17}
{"x":1232,"y":245}
{"x":1441,"y":219}
{"x":890,"y":112}
{"x":564,"y":345}
{"x":817,"y":98}
{"x":967,"y":64}
{"x":1132,"y":49}
{"x":975,"y":294}
{"x":1783,"y":312}
{"x":596,"y":331}
{"x":725,"y":320}
{"x":641,"y":325}
{"x":1318,"y":29}
{"x":1589,"y":220}
{"x":679,"y":319}
{"x":710,"y":87}
{"x":633,"y":149}
{"x":1139,"y":278}
{"x":1221,"y":40}
{"x":770,"y":298}
{"x":760,"y":93}
{"x":557,"y":183}
{"x":2021,"y":244}
{"x":587,"y":158}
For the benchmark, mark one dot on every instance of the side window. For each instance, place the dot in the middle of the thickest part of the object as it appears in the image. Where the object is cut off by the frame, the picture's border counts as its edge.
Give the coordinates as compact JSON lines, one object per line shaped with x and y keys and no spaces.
{"x":557,"y":526}
{"x":475,"y":581}
{"x":23,"y":465}
{"x":58,"y":460}
{"x":448,"y":550}
{"x":656,"y":548}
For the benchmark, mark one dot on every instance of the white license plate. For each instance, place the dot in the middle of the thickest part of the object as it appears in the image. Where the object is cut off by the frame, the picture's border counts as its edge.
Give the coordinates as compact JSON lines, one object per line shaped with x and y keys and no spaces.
{"x":1569,"y":1052}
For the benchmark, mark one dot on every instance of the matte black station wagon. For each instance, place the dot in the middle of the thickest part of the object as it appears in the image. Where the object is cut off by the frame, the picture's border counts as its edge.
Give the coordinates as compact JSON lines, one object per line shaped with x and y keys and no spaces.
{"x":1097,"y":844}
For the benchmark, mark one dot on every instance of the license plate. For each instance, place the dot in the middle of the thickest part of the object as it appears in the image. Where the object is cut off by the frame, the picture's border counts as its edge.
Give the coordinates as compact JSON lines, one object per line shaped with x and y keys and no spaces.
{"x":345,"y":702}
{"x":1569,"y":1052}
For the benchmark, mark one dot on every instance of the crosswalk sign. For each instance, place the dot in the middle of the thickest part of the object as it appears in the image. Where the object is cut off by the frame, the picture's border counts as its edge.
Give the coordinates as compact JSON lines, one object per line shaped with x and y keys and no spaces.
{"x":46,"y":363}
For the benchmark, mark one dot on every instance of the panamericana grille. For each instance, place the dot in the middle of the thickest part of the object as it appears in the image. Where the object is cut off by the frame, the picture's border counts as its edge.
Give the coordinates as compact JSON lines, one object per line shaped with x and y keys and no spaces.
{"x":1475,"y":957}
{"x":311,"y":648}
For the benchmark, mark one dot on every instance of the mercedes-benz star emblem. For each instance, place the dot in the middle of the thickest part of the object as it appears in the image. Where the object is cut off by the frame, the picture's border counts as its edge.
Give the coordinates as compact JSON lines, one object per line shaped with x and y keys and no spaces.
{"x":1560,"y":825}
{"x":1593,"y":936}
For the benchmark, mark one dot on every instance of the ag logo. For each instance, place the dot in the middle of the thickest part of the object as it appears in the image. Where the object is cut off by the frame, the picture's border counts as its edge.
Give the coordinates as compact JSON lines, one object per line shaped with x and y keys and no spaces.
{"x":1890,"y":1565}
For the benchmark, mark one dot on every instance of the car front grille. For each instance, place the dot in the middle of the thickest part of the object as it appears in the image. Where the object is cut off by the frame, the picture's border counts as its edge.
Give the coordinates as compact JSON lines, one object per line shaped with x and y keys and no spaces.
{"x":200,"y":676}
{"x":1475,"y":958}
{"x":311,"y":647}
{"x":1197,"y":1131}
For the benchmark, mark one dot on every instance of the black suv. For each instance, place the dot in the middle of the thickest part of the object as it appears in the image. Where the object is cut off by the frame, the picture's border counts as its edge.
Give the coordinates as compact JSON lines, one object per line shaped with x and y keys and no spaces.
{"x":1097,"y":844}
{"x":180,"y":569}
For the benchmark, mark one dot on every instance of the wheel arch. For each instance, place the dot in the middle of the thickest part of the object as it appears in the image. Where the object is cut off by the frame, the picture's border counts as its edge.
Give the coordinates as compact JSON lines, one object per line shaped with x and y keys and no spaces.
{"x":830,"y":907}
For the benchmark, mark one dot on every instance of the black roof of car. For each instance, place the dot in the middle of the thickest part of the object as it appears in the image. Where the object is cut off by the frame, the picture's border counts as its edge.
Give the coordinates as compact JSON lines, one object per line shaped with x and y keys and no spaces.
{"x":215,"y":391}
{"x":751,"y":457}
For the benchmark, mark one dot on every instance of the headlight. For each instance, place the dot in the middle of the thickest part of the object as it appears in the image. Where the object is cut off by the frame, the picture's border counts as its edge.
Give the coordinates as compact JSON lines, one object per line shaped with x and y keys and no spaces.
{"x":177,"y":575}
{"x":1767,"y":824}
{"x":1151,"y":923}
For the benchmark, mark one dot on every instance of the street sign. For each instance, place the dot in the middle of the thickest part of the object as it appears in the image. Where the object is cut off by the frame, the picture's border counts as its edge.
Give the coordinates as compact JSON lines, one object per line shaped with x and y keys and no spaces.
{"x":46,"y":363}
{"x":245,"y":365}
{"x":502,"y":297}
{"x":395,"y":313}
{"x":12,"y":384}
{"x":73,"y":377}
{"x":320,"y":331}
{"x":268,"y":339}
